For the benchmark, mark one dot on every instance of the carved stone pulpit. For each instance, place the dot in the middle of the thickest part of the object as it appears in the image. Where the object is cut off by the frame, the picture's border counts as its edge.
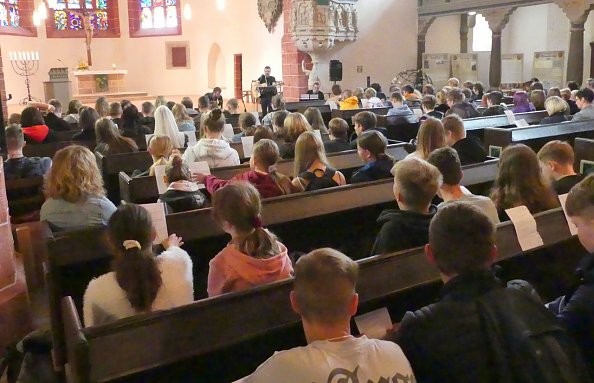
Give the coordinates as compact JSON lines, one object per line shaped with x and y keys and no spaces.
{"x":318,"y":25}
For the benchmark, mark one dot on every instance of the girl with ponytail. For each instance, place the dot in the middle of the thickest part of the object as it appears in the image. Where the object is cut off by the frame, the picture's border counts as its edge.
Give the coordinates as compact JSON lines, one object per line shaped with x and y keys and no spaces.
{"x":254,"y":256}
{"x":371,"y":147}
{"x":182,"y":194}
{"x":140,"y":281}
{"x":263,"y":174}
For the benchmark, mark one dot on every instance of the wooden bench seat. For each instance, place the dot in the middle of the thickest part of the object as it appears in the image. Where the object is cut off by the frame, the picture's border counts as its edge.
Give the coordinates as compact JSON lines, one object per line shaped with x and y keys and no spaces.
{"x":25,"y":197}
{"x":476,"y":126}
{"x":584,"y":151}
{"x":225,"y":338}
{"x":50,"y":149}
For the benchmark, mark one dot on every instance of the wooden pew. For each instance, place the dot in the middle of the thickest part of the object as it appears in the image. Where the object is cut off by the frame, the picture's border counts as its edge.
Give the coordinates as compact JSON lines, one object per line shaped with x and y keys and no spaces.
{"x":538,"y":135}
{"x":584,"y":151}
{"x":144,"y":189}
{"x":300,"y":106}
{"x":476,"y":126}
{"x":50,"y":149}
{"x":25,"y":197}
{"x":67,"y":135}
{"x":348,"y":115}
{"x":192,"y":343}
{"x":111,"y":165}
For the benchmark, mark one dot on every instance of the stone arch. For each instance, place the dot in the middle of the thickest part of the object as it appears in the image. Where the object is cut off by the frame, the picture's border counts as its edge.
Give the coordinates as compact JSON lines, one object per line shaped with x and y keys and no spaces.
{"x":216,"y":67}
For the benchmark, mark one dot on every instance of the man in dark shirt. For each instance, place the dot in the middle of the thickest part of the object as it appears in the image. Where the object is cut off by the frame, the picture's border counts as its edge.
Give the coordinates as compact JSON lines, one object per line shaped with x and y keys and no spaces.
{"x":215,"y":97}
{"x":339,"y":136}
{"x":494,"y":107}
{"x":458,"y":105}
{"x":148,"y":119}
{"x":53,"y":119}
{"x":470,"y":149}
{"x":365,"y":121}
{"x":415,"y":184}
{"x":267,"y":90}
{"x":556,"y":161}
{"x":316,"y":90}
{"x":17,"y":165}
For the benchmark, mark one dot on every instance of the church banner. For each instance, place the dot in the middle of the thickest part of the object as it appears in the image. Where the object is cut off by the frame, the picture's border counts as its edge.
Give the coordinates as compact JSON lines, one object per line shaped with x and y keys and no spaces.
{"x":437,"y":67}
{"x":512,"y":70}
{"x":464,"y":66}
{"x":548,"y":67}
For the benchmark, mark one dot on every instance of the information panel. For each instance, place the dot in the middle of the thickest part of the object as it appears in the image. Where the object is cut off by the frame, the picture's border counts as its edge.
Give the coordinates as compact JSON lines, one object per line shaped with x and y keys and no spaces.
{"x":512,"y":70}
{"x":437,"y":66}
{"x":464,"y":66}
{"x":548,"y":68}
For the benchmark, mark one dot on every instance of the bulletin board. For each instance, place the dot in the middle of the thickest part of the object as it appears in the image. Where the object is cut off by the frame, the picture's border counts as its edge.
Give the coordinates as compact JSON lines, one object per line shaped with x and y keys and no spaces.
{"x":464,"y":66}
{"x":437,"y":66}
{"x":512,"y":70}
{"x":548,"y":67}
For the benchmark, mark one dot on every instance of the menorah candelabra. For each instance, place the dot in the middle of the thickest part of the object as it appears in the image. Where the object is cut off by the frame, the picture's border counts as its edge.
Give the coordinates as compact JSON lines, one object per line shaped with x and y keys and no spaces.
{"x":25,"y":64}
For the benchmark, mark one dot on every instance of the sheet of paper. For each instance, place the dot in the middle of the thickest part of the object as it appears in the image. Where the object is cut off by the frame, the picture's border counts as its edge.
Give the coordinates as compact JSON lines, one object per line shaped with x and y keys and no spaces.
{"x":511,"y":117}
{"x":200,"y":167}
{"x":332,"y":105}
{"x":191,"y":138}
{"x":418,"y":113}
{"x":157,"y":212}
{"x":248,"y":145}
{"x":257,"y":116}
{"x":148,"y":138}
{"x":526,"y":228}
{"x":572,"y":228}
{"x":318,"y":133}
{"x":160,"y":178}
{"x":374,"y":324}
{"x":228,"y":132}
{"x":521,"y":123}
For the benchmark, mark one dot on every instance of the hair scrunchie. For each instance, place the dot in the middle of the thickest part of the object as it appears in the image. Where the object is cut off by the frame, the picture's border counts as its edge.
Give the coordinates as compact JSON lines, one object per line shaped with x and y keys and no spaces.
{"x":130,"y":244}
{"x":258,"y":223}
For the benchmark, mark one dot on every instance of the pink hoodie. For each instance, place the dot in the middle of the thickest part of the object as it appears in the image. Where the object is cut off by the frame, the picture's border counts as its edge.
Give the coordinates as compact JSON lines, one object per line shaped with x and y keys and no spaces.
{"x":231,"y":270}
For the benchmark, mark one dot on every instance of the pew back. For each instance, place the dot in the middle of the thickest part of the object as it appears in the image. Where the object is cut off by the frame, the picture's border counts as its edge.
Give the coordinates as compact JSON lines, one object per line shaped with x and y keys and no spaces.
{"x":584,"y":154}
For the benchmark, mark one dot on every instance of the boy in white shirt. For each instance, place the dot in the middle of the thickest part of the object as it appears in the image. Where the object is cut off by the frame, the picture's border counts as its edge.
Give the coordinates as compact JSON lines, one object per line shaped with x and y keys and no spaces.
{"x":325,"y":298}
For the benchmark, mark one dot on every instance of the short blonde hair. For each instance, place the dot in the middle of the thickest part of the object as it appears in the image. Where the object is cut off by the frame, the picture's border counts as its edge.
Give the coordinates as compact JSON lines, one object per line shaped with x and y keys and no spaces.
{"x":431,"y":136}
{"x":370,"y":92}
{"x":558,"y":151}
{"x":555,"y":104}
{"x":418,"y":182}
{"x":442,"y":97}
{"x":74,"y":175}
{"x":325,"y":283}
{"x":358,"y":92}
{"x":454,"y":82}
{"x":580,"y":201}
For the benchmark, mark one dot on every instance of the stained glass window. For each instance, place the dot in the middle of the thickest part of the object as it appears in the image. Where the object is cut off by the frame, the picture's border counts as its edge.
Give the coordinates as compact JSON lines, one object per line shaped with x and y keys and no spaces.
{"x":156,"y":14}
{"x":9,"y":13}
{"x":64,"y":19}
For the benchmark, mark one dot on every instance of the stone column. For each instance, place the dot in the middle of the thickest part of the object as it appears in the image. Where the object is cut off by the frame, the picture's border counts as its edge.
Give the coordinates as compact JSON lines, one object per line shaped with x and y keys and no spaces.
{"x":464,"y":33}
{"x":497,"y":19}
{"x":424,"y":23}
{"x":294,"y":78}
{"x":577,"y":12}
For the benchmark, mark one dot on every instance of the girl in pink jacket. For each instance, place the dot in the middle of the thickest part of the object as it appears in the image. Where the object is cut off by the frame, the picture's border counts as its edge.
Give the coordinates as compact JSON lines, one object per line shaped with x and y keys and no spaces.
{"x":254,"y":256}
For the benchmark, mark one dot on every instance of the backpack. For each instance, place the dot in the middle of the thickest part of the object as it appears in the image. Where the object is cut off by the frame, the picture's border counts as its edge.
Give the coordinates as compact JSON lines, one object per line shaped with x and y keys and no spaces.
{"x":317,"y":182}
{"x":526,"y":342}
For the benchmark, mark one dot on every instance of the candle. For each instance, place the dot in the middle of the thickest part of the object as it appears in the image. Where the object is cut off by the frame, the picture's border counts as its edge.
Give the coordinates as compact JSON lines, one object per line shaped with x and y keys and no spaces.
{"x":27,"y":56}
{"x":11,"y":54}
{"x":20,"y":56}
{"x":37,"y":55}
{"x":113,"y":66}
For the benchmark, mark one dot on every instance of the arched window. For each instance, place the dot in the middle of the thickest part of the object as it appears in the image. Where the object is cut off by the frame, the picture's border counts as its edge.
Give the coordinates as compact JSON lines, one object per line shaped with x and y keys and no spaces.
{"x":65,"y":18}
{"x":154,"y":17}
{"x":16,"y":17}
{"x":481,"y":35}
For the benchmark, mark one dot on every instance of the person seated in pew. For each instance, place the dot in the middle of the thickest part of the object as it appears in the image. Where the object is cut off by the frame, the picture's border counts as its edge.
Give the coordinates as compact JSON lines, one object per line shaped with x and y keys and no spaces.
{"x":185,"y":123}
{"x":278,"y":124}
{"x":522,"y":103}
{"x":465,"y":336}
{"x":378,"y":89}
{"x":399,"y":108}
{"x":554,"y":91}
{"x":231,"y":108}
{"x":339,"y":136}
{"x":411,"y":99}
{"x":88,"y":118}
{"x":428,"y":90}
{"x":160,"y":148}
{"x":416,"y":183}
{"x":102,"y":106}
{"x":109,"y":140}
{"x":131,"y":125}
{"x":215,"y":98}
{"x":315,"y":119}
{"x":336,"y":94}
{"x":53,"y":118}
{"x":520,"y":183}
{"x":115,"y":113}
{"x":428,"y":108}
{"x":247,"y":124}
{"x":165,"y":125}
{"x":557,"y":109}
{"x":469,"y":148}
{"x":189,"y":105}
{"x":495,"y":106}
{"x":182,"y":194}
{"x":14,"y":118}
{"x":453,"y":82}
{"x":431,"y":136}
{"x":458,"y":105}
{"x":572,"y":85}
{"x":371,"y":148}
{"x":254,"y":256}
{"x":17,"y":166}
{"x":556,"y":161}
{"x":325,"y":296}
{"x":141,"y":281}
{"x":312,"y":170}
{"x":348,"y":101}
{"x":74,"y":190}
{"x":203,"y":109}
{"x":442,"y":102}
{"x":360,"y":94}
{"x":364,"y":121}
{"x":278,"y":104}
{"x":467,"y":94}
{"x":263,"y":133}
{"x":584,"y":99}
{"x":72,"y":113}
{"x":295,"y":125}
{"x":447,"y":161}
{"x":147,"y":115}
{"x":537,"y":98}
{"x":478,"y":90}
{"x":371,"y":100}
{"x":536,"y":85}
{"x":213,"y":148}
{"x":566,"y":96}
{"x":34,"y":128}
{"x":575,"y":310}
{"x":263,"y":173}
{"x":316,"y":90}
{"x":170,"y":105}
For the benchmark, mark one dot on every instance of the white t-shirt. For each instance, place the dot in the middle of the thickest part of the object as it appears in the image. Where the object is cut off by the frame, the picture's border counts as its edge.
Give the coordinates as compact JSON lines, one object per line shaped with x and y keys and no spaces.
{"x":350,"y":360}
{"x":484,"y":203}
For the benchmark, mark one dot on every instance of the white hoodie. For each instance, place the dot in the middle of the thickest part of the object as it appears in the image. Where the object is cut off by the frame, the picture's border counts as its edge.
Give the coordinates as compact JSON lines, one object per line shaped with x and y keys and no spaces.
{"x":218,"y":153}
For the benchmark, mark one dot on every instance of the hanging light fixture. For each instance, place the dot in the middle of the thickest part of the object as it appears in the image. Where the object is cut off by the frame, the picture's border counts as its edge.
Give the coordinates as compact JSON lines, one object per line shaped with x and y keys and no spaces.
{"x":221,"y":5}
{"x":187,"y":11}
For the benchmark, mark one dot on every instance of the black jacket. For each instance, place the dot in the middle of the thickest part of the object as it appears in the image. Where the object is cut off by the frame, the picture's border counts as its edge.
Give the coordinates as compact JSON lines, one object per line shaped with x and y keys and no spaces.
{"x":382,"y":130}
{"x":573,"y":108}
{"x":55,"y":123}
{"x":554,"y":119}
{"x":336,"y":146}
{"x":402,"y":230}
{"x":178,"y":201}
{"x":373,"y":171}
{"x":464,"y":110}
{"x":564,"y":185}
{"x":495,"y":110}
{"x":470,"y":150}
{"x":443,"y":108}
